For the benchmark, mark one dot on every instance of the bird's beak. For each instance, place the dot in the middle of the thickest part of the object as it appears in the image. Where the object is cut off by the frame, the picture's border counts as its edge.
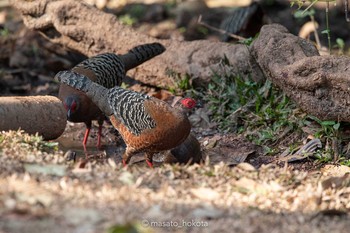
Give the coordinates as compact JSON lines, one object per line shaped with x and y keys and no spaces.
{"x":69,"y":113}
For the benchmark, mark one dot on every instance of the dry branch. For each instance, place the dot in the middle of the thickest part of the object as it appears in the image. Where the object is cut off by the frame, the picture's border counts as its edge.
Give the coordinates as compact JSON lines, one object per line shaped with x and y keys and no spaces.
{"x":91,"y":31}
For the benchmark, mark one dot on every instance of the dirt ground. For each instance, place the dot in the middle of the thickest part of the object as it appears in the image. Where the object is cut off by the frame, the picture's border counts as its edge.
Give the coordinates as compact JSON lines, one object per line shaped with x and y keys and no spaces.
{"x":51,"y":186}
{"x":50,"y":191}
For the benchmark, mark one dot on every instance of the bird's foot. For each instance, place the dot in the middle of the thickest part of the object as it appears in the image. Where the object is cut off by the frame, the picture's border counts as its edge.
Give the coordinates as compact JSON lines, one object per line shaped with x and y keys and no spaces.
{"x":99,"y":146}
{"x":99,"y":136}
{"x":124,"y":163}
{"x":149,"y":163}
{"x":86,"y":152}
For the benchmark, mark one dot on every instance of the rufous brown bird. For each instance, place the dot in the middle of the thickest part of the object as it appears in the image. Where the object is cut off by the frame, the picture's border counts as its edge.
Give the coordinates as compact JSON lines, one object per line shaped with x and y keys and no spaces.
{"x":108,"y":70}
{"x":145,"y":123}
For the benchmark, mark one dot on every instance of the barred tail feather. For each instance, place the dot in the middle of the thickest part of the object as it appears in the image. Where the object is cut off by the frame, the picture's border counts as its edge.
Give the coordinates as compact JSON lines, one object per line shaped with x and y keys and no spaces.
{"x":141,"y":54}
{"x":147,"y":51}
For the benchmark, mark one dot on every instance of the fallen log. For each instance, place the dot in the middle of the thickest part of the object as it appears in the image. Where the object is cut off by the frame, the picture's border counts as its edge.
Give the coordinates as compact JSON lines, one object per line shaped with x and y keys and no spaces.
{"x":44,"y":115}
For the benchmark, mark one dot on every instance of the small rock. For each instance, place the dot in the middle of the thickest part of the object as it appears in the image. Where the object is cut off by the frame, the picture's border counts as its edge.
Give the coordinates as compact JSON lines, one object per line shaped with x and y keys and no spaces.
{"x":48,"y":169}
{"x":208,"y":212}
{"x":70,"y":155}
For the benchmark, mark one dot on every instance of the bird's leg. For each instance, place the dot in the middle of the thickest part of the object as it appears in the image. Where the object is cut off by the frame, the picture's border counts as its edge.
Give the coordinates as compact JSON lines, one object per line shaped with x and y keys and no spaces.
{"x":149,"y":159}
{"x":129,"y":152}
{"x":86,"y":136}
{"x":99,"y":134}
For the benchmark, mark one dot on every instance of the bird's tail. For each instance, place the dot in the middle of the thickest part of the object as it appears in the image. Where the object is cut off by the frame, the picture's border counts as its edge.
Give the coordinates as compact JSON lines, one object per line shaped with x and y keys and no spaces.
{"x":97,"y":93}
{"x":141,"y":53}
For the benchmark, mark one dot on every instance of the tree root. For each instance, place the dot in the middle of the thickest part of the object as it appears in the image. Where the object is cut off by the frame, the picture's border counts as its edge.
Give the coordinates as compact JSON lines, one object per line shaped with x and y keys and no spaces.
{"x":318,"y":84}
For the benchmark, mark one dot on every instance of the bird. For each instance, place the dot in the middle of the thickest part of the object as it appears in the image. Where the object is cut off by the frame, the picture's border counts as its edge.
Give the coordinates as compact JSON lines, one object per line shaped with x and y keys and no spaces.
{"x":145,"y":123}
{"x":189,"y":151}
{"x":108,"y":70}
{"x":243,"y":21}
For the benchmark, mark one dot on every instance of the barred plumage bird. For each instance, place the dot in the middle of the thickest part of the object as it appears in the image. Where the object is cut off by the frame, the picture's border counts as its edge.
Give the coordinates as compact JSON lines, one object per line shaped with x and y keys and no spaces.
{"x":145,"y":123}
{"x":108,"y":70}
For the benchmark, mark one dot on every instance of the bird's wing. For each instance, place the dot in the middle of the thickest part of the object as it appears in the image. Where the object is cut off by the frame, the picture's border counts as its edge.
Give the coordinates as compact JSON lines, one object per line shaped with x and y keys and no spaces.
{"x":129,"y":108}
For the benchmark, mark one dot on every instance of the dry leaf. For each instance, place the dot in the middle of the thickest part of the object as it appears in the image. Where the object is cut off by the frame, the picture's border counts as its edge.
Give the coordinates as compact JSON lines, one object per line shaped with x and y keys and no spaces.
{"x":127,"y":178}
{"x":246,"y":167}
{"x":335,"y":170}
{"x":205,"y":193}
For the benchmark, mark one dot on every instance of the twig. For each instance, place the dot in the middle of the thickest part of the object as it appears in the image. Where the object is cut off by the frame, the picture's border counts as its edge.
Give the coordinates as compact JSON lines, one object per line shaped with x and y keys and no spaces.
{"x":318,"y":42}
{"x":328,"y":30}
{"x":346,"y":7}
{"x":335,"y":148}
{"x":218,"y":30}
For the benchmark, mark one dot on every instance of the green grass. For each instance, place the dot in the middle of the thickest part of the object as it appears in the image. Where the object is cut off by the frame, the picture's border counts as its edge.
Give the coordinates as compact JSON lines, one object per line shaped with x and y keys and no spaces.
{"x":267,"y":117}
{"x":132,"y":15}
{"x":182,"y":83}
{"x":20,"y":141}
{"x":4,"y":32}
{"x":308,"y":11}
{"x":127,"y":19}
{"x":258,"y":110}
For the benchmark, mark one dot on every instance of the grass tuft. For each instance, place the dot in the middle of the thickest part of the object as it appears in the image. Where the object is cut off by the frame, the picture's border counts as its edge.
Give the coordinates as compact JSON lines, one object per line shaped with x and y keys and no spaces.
{"x":267,"y":117}
{"x":19,"y":142}
{"x":258,"y":110}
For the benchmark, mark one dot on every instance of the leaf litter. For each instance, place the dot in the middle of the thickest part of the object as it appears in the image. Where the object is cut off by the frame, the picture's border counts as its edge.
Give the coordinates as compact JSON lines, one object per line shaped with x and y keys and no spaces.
{"x":240,"y":198}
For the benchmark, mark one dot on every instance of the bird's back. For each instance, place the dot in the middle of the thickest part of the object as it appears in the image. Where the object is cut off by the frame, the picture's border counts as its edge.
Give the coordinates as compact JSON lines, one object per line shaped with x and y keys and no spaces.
{"x":108,"y":69}
{"x":105,"y":69}
{"x":129,"y":108}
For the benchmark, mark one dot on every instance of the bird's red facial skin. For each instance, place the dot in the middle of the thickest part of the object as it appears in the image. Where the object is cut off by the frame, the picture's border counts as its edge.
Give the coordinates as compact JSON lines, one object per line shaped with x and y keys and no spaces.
{"x":73,"y":106}
{"x":70,"y":106}
{"x":188,"y":103}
